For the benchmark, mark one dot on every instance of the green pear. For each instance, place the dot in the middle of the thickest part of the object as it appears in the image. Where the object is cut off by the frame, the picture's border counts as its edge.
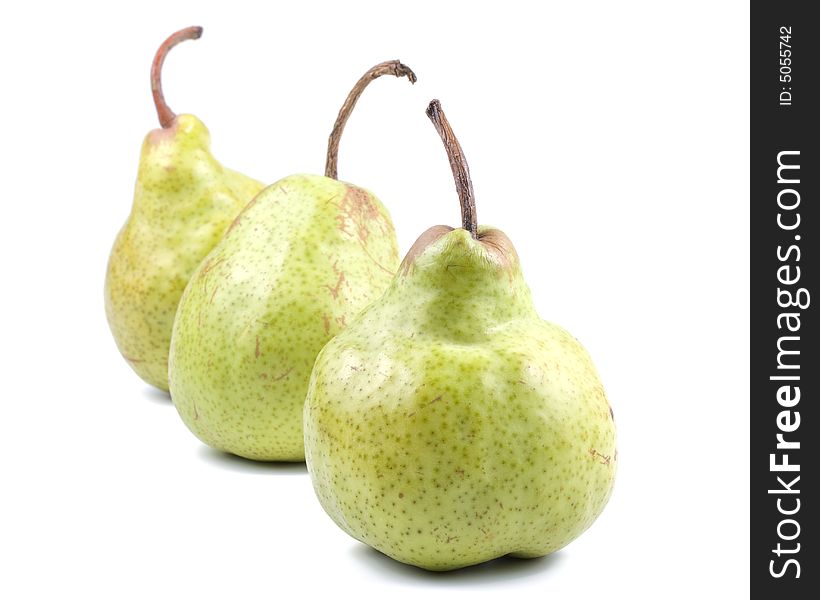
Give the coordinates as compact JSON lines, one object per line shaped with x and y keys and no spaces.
{"x":448,"y":424}
{"x":297,"y":265}
{"x":183,"y":202}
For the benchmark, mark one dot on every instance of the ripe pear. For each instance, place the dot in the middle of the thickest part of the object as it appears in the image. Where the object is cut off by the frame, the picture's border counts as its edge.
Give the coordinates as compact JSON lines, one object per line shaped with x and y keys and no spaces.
{"x":184,"y":201}
{"x":300,"y":261}
{"x":449,"y":424}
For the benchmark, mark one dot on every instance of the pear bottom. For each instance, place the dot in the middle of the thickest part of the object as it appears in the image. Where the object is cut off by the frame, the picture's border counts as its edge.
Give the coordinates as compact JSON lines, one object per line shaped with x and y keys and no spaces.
{"x":303,"y":258}
{"x":444,"y":455}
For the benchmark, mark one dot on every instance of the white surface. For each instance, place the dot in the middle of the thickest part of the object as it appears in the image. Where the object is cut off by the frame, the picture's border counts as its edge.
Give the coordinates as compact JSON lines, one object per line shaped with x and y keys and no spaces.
{"x":609,"y":140}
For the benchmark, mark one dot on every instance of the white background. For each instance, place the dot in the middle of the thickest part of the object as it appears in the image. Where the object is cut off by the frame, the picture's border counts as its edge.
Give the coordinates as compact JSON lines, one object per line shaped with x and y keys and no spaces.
{"x":610,"y":141}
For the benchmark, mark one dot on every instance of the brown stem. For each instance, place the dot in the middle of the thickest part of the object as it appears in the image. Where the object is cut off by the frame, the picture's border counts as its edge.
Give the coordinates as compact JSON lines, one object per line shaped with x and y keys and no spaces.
{"x":459,"y":166}
{"x":391,"y":67}
{"x":165,"y":114}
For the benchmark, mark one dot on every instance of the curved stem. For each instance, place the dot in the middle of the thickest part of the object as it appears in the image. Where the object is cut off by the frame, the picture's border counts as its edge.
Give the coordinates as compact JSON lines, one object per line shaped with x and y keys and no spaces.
{"x":165,"y":114}
{"x":459,"y":166}
{"x":391,"y":67}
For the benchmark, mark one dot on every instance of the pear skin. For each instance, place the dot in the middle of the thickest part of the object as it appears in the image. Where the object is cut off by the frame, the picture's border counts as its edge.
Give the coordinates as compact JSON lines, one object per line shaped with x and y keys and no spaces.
{"x":184,"y":200}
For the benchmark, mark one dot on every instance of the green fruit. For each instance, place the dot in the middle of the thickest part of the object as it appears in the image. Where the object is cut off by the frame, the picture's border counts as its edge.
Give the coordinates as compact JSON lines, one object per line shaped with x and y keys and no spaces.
{"x":448,"y":424}
{"x":183,"y":202}
{"x":297,"y":265}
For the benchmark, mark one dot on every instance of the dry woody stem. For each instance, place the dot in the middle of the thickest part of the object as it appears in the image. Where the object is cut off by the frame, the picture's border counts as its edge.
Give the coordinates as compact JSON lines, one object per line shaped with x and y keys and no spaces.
{"x":391,"y":67}
{"x":165,"y":114}
{"x":459,"y":166}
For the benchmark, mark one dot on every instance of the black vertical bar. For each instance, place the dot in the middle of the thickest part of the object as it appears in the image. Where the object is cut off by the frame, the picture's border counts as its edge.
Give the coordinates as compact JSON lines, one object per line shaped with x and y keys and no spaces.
{"x":785,"y":68}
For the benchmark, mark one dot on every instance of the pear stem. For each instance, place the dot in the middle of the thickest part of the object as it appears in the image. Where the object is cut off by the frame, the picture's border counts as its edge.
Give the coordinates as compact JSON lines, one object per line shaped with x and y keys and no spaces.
{"x":165,"y":114}
{"x":391,"y":67}
{"x":459,"y":166}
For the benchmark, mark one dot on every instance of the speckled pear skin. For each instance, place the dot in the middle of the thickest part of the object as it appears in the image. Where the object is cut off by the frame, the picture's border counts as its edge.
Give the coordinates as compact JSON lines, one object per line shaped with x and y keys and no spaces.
{"x":297,"y":265}
{"x":449,"y":425}
{"x":183,"y":202}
